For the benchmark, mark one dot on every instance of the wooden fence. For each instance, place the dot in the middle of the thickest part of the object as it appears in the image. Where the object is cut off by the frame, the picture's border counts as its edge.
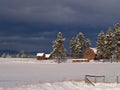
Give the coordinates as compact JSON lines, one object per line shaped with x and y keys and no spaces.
{"x":95,"y":78}
{"x":87,"y":79}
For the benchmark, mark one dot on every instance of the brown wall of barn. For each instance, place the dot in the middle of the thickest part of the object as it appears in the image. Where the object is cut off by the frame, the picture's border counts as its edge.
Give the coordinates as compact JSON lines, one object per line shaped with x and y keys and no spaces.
{"x":89,"y":54}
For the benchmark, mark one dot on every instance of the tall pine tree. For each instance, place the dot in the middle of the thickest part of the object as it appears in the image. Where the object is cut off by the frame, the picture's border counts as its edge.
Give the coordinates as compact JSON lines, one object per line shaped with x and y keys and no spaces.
{"x":59,"y":51}
{"x":78,"y":45}
{"x":101,"y":44}
{"x":109,"y":44}
{"x":72,"y":46}
{"x":117,"y":41}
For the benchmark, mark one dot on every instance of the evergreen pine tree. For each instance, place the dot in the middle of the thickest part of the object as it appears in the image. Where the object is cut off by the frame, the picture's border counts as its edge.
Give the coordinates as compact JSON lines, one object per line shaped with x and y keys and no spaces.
{"x":109,"y":44}
{"x":3,"y":55}
{"x":59,"y":51}
{"x":78,"y":45}
{"x":101,"y":44}
{"x":72,"y":46}
{"x":117,"y":41}
{"x":8,"y":55}
{"x":21,"y":54}
{"x":87,"y":43}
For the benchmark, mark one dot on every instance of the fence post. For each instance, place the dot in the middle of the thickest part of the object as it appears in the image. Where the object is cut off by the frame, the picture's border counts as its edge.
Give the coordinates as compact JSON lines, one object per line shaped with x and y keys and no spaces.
{"x":117,"y":79}
{"x":85,"y":78}
{"x":104,"y":79}
{"x":95,"y":79}
{"x":88,"y":81}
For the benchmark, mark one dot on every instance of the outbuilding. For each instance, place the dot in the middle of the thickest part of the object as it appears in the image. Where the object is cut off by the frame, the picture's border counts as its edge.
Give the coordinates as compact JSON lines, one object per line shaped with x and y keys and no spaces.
{"x":40,"y":56}
{"x":90,"y":53}
{"x":47,"y":56}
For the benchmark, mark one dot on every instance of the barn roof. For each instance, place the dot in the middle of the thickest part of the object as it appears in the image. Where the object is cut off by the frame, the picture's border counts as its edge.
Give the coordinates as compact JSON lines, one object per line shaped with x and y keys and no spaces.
{"x":40,"y":54}
{"x":47,"y":55}
{"x":94,"y":49}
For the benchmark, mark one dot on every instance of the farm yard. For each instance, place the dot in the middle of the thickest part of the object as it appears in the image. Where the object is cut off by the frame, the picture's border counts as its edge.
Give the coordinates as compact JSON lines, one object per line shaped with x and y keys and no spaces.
{"x":59,"y":45}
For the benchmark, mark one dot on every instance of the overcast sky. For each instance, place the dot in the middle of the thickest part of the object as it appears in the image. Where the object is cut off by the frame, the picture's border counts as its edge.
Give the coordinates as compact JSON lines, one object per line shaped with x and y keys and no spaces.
{"x":32,"y":25}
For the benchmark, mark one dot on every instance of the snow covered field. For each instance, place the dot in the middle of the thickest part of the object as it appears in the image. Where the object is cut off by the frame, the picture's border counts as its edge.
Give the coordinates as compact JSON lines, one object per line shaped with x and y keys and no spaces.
{"x":30,"y":74}
{"x":66,"y":85}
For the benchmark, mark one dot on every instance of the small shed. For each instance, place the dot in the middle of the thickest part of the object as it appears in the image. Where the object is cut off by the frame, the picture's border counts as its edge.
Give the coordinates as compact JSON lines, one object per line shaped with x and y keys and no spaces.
{"x":47,"y":56}
{"x":41,"y":56}
{"x":90,"y":53}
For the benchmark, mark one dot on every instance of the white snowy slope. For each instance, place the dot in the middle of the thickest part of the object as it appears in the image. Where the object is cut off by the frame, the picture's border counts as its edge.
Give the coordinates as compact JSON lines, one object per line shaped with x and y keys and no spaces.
{"x":30,"y":73}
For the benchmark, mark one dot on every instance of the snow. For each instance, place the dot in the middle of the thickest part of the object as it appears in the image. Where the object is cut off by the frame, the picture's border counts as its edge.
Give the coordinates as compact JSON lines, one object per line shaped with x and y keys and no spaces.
{"x":47,"y":55}
{"x":94,"y":50}
{"x":40,"y":54}
{"x":66,"y":85}
{"x":18,"y":73}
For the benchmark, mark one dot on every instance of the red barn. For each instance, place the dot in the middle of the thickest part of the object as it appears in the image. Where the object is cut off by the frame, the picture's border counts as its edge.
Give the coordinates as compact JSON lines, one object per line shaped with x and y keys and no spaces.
{"x":90,"y":53}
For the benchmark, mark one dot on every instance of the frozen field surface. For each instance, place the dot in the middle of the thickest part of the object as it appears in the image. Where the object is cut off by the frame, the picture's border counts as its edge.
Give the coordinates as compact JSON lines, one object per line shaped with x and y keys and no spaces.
{"x":30,"y":74}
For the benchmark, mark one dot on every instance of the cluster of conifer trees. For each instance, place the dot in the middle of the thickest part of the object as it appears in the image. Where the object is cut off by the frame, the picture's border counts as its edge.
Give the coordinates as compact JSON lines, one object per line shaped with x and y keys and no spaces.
{"x":108,"y":45}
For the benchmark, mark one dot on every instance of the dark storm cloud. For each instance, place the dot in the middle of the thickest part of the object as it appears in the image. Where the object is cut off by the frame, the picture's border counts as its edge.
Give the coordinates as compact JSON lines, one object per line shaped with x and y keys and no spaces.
{"x":33,"y":42}
{"x":61,"y":11}
{"x":35,"y":23}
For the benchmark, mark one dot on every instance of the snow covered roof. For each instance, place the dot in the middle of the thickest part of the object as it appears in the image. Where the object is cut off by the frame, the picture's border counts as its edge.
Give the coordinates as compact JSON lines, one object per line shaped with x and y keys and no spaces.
{"x":40,"y":54}
{"x":47,"y":55}
{"x":94,"y":49}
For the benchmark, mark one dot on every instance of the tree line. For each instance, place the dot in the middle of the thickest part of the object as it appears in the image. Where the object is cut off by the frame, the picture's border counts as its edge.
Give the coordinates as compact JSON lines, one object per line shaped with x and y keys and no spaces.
{"x":20,"y":54}
{"x":108,"y":44}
